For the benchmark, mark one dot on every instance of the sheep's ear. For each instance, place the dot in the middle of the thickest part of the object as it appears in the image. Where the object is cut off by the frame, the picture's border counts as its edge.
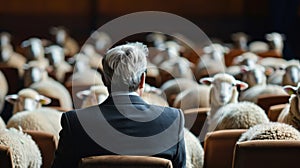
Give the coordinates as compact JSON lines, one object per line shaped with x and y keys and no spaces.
{"x":241,"y":85}
{"x":82,"y":94}
{"x":44,"y":100}
{"x":11,"y":98}
{"x":25,"y":43}
{"x":290,"y":89}
{"x":207,"y":81}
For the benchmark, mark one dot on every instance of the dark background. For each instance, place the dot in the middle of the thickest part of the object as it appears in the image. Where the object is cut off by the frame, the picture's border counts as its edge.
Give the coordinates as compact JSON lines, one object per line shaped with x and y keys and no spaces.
{"x":217,"y":18}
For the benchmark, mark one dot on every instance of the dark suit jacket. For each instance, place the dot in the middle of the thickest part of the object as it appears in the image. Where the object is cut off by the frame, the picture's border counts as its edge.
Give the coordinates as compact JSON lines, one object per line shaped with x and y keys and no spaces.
{"x":121,"y":125}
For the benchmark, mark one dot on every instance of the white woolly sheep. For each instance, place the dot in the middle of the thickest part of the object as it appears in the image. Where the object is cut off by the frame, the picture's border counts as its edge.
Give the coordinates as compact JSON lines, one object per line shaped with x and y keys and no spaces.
{"x":62,"y":38}
{"x":252,"y":94}
{"x":5,"y":39}
{"x":95,"y":95}
{"x":194,"y":150}
{"x":276,"y":41}
{"x":193,"y":98}
{"x":258,"y":47}
{"x":25,"y":152}
{"x":28,"y":114}
{"x":290,"y":114}
{"x":177,"y":67}
{"x":102,"y":41}
{"x":83,"y":73}
{"x":240,"y":40}
{"x":212,"y":62}
{"x":37,"y":79}
{"x":224,"y":90}
{"x":56,"y":57}
{"x":10,"y":58}
{"x":2,"y":124}
{"x":270,"y":131}
{"x":172,"y":88}
{"x":95,"y":59}
{"x":248,"y":58}
{"x":253,"y":75}
{"x":3,"y":89}
{"x":35,"y":51}
{"x":242,"y":115}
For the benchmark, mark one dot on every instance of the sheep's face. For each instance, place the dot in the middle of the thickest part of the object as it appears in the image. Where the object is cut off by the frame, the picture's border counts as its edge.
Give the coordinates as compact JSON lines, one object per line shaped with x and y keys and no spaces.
{"x":33,"y":75}
{"x":55,"y":54}
{"x":292,"y":90}
{"x":255,"y":76}
{"x":5,"y":53}
{"x":223,"y":92}
{"x":28,"y":104}
{"x":35,"y":49}
{"x":292,"y":75}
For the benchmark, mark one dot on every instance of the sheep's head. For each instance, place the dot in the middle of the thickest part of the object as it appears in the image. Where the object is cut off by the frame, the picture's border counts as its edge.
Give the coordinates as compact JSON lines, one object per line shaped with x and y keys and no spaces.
{"x":291,"y":75}
{"x":102,"y":40}
{"x":248,"y":59}
{"x":254,"y":75}
{"x":60,"y":34}
{"x":224,"y":89}
{"x":95,"y":95}
{"x":27,"y":99}
{"x":5,"y":38}
{"x":5,"y":53}
{"x":216,"y":51}
{"x":33,"y":73}
{"x":240,"y":39}
{"x":293,"y":91}
{"x":276,"y":41}
{"x":55,"y":54}
{"x":35,"y":48}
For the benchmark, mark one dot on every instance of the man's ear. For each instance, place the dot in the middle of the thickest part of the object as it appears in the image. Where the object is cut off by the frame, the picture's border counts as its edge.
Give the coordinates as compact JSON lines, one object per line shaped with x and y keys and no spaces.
{"x":143,"y":80}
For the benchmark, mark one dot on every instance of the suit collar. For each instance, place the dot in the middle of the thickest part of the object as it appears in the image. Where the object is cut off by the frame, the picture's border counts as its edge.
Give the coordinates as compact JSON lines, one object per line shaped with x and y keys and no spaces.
{"x":123,"y":99}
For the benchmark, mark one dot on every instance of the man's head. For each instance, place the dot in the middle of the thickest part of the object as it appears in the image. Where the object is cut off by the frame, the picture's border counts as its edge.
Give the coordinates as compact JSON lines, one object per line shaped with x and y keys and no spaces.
{"x":124,"y":67}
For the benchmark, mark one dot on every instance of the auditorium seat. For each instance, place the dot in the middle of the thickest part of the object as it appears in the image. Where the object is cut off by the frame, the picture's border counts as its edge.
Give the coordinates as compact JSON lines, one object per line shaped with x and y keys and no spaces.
{"x":195,"y":118}
{"x":6,"y":157}
{"x":275,"y":111}
{"x":265,"y":101}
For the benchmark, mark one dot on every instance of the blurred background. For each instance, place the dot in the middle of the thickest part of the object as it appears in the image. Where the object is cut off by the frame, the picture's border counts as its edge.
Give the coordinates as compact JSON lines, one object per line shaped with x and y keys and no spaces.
{"x":217,"y":18}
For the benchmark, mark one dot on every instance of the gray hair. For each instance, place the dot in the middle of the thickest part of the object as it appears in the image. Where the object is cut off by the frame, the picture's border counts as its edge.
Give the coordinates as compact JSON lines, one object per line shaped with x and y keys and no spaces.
{"x":123,"y":66}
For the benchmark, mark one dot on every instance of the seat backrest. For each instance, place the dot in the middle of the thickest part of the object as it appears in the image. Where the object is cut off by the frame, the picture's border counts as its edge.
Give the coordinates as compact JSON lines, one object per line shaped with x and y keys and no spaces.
{"x":219,"y":147}
{"x":122,"y":161}
{"x":275,"y":111}
{"x":266,"y":153}
{"x":5,"y":157}
{"x":195,"y":118}
{"x":12,"y":76}
{"x":266,"y":101}
{"x":47,"y":144}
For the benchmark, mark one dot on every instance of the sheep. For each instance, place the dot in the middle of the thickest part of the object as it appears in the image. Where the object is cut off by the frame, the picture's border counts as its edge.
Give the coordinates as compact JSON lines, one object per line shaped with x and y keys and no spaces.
{"x":25,"y":152}
{"x":241,"y":115}
{"x":258,"y":47}
{"x":171,"y":88}
{"x":194,"y":97}
{"x":276,"y":41}
{"x":35,"y":51}
{"x":28,"y":112}
{"x":3,"y":89}
{"x":176,"y":67}
{"x":171,"y":52}
{"x":290,"y":114}
{"x":253,"y":75}
{"x":212,"y":62}
{"x":5,"y":39}
{"x":223,"y":91}
{"x":95,"y":95}
{"x":102,"y":41}
{"x":83,"y":74}
{"x":95,"y":59}
{"x":37,"y":79}
{"x":253,"y":93}
{"x":152,"y":95}
{"x":194,"y":150}
{"x":2,"y":124}
{"x":240,"y":40}
{"x":270,"y":131}
{"x":248,"y":58}
{"x":63,"y":39}
{"x":56,"y":57}
{"x":13,"y":59}
{"x":286,"y":74}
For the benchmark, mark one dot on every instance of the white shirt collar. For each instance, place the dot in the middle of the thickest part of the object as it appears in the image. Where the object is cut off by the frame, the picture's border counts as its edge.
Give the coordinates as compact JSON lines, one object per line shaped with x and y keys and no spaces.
{"x":124,"y":93}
